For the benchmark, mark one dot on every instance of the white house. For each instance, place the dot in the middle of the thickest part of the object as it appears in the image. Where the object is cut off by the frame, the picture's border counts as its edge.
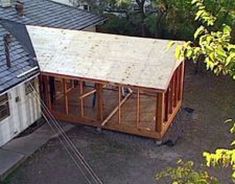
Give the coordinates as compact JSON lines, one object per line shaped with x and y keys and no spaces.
{"x":18,"y":109}
{"x":19,"y":70}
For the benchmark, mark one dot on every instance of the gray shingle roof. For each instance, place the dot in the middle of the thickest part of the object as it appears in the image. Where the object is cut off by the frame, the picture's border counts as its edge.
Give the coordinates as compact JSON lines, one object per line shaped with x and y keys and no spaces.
{"x":51,"y":14}
{"x":21,"y":61}
{"x":37,"y":12}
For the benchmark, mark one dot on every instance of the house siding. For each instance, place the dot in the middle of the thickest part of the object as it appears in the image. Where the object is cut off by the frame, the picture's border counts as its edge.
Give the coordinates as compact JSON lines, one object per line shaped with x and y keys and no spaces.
{"x":23,"y":112}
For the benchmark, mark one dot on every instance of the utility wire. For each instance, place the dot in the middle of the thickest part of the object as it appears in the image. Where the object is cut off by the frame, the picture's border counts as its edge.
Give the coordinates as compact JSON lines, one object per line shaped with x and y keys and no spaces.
{"x":67,"y":150}
{"x":68,"y":140}
{"x":76,"y":152}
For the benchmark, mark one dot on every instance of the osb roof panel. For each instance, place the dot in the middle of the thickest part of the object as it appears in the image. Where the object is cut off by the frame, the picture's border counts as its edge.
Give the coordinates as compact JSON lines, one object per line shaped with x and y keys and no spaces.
{"x":118,"y":59}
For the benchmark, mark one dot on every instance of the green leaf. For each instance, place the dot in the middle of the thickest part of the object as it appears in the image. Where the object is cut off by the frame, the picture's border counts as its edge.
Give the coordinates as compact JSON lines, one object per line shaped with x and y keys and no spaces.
{"x":170,"y":44}
{"x":228,"y":121}
{"x":231,"y":47}
{"x":195,"y":1}
{"x":227,"y":29}
{"x":189,"y":53}
{"x":233,"y":175}
{"x":209,"y":38}
{"x":199,"y":31}
{"x":230,"y":58}
{"x":221,"y":52}
{"x":233,"y":143}
{"x":198,"y":14}
{"x":178,"y":52}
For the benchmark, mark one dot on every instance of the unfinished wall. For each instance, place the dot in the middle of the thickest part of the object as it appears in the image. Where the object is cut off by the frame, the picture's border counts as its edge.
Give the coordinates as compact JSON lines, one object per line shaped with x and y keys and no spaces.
{"x":24,"y":111}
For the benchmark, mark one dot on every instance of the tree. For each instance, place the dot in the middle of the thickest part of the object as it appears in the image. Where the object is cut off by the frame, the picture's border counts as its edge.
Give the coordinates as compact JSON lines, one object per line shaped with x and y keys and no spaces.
{"x":185,"y":173}
{"x":212,"y":46}
{"x":174,"y":17}
{"x":223,"y":157}
{"x":165,"y":18}
{"x":216,"y":49}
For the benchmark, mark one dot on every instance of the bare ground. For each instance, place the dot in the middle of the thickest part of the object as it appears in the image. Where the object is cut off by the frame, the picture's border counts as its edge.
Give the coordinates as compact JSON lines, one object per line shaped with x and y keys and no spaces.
{"x":123,"y":159}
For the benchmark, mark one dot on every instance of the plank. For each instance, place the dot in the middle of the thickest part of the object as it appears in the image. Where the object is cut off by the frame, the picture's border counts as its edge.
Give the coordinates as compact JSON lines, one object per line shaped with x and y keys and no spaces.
{"x":100,"y":102}
{"x":81,"y":100}
{"x":65,"y":97}
{"x":116,"y":109}
{"x":138,"y":109}
{"x":159,"y":112}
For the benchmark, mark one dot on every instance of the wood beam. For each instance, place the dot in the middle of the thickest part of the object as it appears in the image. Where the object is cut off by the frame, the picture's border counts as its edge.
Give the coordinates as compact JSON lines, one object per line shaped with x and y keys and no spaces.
{"x":65,"y":97}
{"x":174,"y":98}
{"x":87,"y":94}
{"x":48,"y":92}
{"x":100,"y":102}
{"x":167,"y":124}
{"x":100,"y":81}
{"x":170,"y":97}
{"x":81,"y":99}
{"x":116,"y":109}
{"x":159,"y":112}
{"x":119,"y":102}
{"x":41,"y":87}
{"x":182,"y":81}
{"x":138,"y":108}
{"x":166,"y":104}
{"x":177,"y":86}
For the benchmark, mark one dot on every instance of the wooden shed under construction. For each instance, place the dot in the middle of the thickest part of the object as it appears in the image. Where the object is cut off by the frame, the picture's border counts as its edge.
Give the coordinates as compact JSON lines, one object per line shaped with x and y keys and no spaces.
{"x":127,"y":84}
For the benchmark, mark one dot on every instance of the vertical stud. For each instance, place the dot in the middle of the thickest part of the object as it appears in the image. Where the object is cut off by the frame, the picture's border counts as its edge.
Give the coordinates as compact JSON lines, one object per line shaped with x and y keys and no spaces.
{"x":159,"y":111}
{"x":65,"y":96}
{"x":138,"y":108}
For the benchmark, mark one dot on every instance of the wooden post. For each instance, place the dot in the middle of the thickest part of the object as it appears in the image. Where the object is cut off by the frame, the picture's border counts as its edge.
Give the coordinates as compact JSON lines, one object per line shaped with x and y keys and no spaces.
{"x":41,"y":87}
{"x":81,"y":99}
{"x":100,"y":101}
{"x":182,"y":81}
{"x":65,"y":96}
{"x":170,"y":96}
{"x":159,"y":111}
{"x":119,"y":104}
{"x":166,"y":104}
{"x":48,"y":92}
{"x":177,"y":85}
{"x":138,"y":108}
{"x":174,"y":91}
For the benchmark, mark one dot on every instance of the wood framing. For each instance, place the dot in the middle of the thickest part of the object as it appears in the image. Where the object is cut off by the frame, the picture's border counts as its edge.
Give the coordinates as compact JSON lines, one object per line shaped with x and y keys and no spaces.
{"x":130,"y":109}
{"x":116,"y":109}
{"x":138,"y":109}
{"x":81,"y":99}
{"x":160,"y":112}
{"x":100,"y":102}
{"x":65,"y":97}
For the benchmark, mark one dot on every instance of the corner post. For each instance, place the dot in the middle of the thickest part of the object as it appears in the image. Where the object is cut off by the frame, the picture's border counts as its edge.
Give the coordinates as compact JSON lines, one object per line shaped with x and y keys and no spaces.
{"x":65,"y":96}
{"x":159,"y":112}
{"x":100,"y":99}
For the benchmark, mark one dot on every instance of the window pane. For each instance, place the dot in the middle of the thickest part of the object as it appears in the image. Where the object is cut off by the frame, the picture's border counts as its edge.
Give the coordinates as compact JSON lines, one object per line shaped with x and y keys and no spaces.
{"x":3,"y":98}
{"x":4,"y":107}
